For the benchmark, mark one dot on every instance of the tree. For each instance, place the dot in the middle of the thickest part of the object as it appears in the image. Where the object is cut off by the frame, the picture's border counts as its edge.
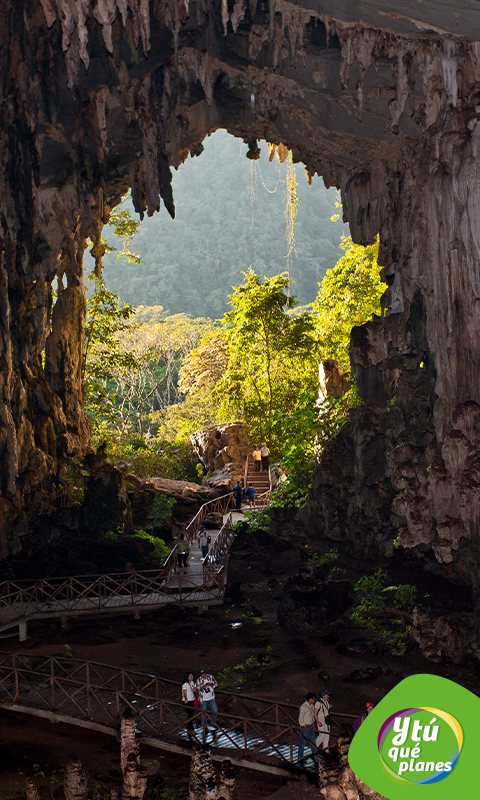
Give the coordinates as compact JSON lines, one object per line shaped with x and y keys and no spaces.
{"x":103,"y":357}
{"x":271,"y":353}
{"x":349,"y":294}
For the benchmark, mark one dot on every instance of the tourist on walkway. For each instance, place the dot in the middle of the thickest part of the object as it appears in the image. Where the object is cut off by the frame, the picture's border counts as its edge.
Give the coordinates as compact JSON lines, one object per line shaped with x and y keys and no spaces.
{"x":237,"y":491}
{"x":362,"y":717}
{"x":250,"y":492}
{"x":189,"y":691}
{"x":203,"y":541}
{"x":323,"y":719}
{"x":265,"y":455}
{"x":206,"y":685}
{"x":257,"y":458}
{"x":182,"y":552}
{"x":306,"y":718}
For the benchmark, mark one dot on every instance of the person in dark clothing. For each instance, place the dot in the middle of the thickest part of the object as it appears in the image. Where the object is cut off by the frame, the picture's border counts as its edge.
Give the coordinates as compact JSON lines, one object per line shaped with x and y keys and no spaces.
{"x":361,"y":719}
{"x":265,"y":454}
{"x":250,"y":492}
{"x":237,"y":491}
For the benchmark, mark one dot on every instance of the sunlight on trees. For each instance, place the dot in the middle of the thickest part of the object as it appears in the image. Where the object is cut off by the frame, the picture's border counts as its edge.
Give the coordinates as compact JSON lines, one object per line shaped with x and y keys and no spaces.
{"x":349,"y":295}
{"x":151,"y":383}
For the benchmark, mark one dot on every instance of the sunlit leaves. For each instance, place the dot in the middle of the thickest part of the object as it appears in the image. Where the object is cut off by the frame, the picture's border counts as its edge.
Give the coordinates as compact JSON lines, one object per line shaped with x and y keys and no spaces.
{"x":349,"y":295}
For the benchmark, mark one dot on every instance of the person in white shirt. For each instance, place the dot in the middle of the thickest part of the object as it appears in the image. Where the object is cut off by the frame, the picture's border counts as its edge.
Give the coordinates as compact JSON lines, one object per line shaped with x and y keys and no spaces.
{"x":322,"y":718}
{"x":265,"y":454}
{"x":188,"y":697}
{"x":306,"y":718}
{"x":206,"y":685}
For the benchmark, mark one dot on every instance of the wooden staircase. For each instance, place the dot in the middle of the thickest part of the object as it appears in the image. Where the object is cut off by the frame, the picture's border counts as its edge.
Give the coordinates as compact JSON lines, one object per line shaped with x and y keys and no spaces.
{"x":261,"y":480}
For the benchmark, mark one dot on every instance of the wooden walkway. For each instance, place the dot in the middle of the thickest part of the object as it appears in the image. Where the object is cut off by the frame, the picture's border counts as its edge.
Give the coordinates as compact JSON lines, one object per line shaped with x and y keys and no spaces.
{"x":202,"y":584}
{"x":251,"y":731}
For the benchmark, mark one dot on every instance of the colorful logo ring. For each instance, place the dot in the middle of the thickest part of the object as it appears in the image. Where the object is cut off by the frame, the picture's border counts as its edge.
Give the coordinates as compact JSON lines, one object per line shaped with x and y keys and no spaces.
{"x":406,"y":712}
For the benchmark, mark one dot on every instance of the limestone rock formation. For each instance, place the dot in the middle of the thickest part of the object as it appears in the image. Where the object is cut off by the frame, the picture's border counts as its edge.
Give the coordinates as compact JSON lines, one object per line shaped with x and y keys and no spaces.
{"x":204,"y":782}
{"x":99,"y":97}
{"x":223,"y":450}
{"x":333,"y":382}
{"x":337,"y":781}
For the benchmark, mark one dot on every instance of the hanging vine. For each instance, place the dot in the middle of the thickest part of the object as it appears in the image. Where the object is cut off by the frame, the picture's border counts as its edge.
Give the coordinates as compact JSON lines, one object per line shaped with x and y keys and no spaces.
{"x":291,"y":209}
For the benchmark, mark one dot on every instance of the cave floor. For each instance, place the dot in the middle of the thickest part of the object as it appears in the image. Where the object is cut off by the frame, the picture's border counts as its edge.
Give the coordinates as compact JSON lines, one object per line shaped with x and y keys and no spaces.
{"x":241,"y":642}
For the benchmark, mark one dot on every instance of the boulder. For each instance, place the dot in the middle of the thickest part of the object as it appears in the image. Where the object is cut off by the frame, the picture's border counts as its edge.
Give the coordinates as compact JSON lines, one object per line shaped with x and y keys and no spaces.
{"x":213,"y":520}
{"x":223,"y":450}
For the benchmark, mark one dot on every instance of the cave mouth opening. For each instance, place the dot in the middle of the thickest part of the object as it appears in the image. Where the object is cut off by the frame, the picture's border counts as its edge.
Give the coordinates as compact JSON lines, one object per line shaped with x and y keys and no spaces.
{"x":233,"y":212}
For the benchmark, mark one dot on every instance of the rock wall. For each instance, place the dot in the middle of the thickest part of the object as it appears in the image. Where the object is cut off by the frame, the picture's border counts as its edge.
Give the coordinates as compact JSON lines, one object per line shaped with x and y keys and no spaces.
{"x":102,"y":95}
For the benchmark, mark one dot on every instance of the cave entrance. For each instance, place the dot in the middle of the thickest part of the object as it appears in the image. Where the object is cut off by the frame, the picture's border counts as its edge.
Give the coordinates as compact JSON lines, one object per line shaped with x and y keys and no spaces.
{"x":232,"y":214}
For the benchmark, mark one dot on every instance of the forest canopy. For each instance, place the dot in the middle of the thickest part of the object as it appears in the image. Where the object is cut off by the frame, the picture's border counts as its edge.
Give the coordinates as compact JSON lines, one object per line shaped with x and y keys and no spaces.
{"x":230,"y":217}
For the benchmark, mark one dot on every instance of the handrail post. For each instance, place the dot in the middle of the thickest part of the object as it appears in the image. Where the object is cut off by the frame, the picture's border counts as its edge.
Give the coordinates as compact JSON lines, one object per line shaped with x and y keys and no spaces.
{"x":245,"y":737}
{"x":52,"y":681}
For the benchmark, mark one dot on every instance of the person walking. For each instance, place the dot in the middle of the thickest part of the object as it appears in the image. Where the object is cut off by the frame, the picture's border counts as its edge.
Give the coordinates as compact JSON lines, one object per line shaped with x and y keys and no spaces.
{"x":203,"y":541}
{"x":182,"y":553}
{"x":265,"y":456}
{"x":237,"y":491}
{"x":323,"y":719}
{"x":306,"y":718}
{"x":362,"y":717}
{"x":250,"y":492}
{"x":206,"y":685}
{"x":189,"y":690}
{"x":257,"y":459}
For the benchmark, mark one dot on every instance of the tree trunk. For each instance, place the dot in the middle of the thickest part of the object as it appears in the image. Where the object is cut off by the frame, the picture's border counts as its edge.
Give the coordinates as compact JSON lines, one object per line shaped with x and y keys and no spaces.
{"x":75,"y":781}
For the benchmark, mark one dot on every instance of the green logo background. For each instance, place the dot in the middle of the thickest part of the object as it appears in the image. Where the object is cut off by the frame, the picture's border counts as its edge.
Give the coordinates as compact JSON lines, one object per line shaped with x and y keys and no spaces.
{"x":420,"y":691}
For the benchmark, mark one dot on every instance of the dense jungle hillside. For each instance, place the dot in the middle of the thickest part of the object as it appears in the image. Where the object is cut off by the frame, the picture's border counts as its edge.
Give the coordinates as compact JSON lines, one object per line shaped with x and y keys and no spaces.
{"x":230,"y":215}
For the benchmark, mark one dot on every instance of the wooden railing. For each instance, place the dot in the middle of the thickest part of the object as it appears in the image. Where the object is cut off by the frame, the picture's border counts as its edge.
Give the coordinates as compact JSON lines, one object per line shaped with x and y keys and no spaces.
{"x":96,"y":694}
{"x":104,"y":592}
{"x":218,"y":553}
{"x":220,"y":505}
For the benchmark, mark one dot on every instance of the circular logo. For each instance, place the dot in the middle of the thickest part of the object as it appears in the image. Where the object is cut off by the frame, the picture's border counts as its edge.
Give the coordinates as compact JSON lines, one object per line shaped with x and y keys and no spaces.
{"x":419,"y":745}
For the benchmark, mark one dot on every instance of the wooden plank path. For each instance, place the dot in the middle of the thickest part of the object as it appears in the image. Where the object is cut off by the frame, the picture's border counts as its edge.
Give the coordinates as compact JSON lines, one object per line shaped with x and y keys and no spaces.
{"x":251,"y":731}
{"x":202,"y":584}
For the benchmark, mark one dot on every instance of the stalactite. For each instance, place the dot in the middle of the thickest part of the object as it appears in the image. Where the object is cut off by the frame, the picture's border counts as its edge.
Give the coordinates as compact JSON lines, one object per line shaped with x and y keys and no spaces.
{"x":237,"y":14}
{"x":449,"y":67}
{"x":75,"y":781}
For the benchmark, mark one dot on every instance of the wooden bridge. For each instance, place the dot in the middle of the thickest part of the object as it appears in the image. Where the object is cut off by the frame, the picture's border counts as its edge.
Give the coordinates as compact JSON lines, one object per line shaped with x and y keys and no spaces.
{"x":252,"y":732}
{"x":202,"y":584}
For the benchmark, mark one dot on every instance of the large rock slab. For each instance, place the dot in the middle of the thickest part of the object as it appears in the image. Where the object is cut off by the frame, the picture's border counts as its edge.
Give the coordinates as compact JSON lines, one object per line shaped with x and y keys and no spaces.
{"x":223,"y":450}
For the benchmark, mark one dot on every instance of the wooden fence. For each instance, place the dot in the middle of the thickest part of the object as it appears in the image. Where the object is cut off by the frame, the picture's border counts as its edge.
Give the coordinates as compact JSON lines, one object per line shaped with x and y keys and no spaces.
{"x":95,"y":695}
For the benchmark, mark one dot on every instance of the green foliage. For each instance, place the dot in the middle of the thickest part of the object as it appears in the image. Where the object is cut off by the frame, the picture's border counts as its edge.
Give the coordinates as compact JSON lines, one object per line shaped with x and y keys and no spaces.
{"x":384,"y":609}
{"x":271,"y":355}
{"x":174,"y":460}
{"x":161,"y":510}
{"x":333,"y":413}
{"x":328,"y":558}
{"x":160,"y":549}
{"x":349,"y":295}
{"x":103,"y":358}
